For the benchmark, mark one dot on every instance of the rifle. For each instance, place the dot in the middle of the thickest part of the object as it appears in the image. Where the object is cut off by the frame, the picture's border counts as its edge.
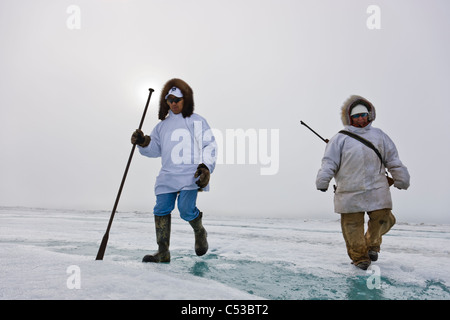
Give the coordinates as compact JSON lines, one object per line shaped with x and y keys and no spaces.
{"x":325,"y":140}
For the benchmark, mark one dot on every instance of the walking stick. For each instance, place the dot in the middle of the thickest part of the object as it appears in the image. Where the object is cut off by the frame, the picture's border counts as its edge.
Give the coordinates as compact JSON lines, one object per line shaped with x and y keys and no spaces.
{"x":101,"y":250}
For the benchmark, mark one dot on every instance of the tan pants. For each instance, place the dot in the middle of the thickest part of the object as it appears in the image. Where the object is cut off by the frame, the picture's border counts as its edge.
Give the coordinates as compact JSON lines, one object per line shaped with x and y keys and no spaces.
{"x":358,"y":244}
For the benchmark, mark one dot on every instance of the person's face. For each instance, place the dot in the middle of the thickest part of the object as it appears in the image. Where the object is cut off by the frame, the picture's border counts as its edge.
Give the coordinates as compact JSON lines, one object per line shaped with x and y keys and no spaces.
{"x":360,"y":120}
{"x":175,"y":104}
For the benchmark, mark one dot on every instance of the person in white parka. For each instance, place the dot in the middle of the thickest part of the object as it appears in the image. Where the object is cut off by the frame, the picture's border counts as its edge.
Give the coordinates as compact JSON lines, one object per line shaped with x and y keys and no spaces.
{"x":187,"y":148}
{"x":361,"y":184}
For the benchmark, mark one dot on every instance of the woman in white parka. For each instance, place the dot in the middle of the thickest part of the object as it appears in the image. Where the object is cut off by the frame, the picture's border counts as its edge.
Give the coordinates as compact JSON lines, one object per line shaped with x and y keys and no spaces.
{"x":361,"y":181}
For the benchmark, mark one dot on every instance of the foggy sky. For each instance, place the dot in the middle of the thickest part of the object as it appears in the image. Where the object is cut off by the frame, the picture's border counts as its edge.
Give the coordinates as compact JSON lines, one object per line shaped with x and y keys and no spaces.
{"x":73,"y":91}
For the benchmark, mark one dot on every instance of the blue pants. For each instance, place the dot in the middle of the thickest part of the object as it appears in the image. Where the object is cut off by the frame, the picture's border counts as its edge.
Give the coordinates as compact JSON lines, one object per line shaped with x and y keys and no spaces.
{"x":165,"y":203}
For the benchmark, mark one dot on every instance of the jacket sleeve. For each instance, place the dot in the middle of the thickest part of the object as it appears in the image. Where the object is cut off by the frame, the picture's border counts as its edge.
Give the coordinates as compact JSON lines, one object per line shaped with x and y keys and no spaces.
{"x":394,"y":165}
{"x":330,"y":164}
{"x":153,"y":150}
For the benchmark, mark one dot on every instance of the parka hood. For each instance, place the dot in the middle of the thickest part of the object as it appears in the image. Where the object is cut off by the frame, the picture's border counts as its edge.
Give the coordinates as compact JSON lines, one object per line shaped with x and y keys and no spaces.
{"x":188,"y":97}
{"x":352,"y":102}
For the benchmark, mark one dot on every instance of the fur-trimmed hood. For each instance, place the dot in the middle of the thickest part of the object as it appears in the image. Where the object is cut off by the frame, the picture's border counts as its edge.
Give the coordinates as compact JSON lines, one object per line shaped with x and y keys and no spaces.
{"x":352,"y":102}
{"x":188,"y":97}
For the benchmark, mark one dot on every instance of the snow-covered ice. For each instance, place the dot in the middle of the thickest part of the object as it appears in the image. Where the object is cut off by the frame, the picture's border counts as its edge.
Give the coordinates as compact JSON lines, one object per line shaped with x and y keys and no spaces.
{"x":50,"y":254}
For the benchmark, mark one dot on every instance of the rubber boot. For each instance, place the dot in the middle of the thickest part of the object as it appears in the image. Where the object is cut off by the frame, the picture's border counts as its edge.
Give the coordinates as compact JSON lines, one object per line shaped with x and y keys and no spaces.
{"x":363,"y":265}
{"x":162,"y":226}
{"x":373,"y":255}
{"x":201,"y":244}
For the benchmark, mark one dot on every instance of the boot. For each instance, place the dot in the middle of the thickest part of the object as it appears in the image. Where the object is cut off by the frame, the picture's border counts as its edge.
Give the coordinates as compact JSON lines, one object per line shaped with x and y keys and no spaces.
{"x":201,"y":244}
{"x":162,"y":226}
{"x":363,"y":265}
{"x":373,"y":255}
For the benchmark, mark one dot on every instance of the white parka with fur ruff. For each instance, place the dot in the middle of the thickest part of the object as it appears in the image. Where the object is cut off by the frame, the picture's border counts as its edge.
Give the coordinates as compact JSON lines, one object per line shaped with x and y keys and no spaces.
{"x":360,"y":177}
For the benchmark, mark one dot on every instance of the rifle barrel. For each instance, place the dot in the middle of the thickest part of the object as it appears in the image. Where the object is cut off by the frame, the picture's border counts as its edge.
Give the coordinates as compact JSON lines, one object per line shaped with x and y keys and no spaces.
{"x":325,"y":140}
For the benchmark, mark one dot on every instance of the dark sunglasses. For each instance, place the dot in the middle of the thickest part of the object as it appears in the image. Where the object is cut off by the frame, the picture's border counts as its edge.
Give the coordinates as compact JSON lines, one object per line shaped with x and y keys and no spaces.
{"x":356,"y":116}
{"x":176,"y":100}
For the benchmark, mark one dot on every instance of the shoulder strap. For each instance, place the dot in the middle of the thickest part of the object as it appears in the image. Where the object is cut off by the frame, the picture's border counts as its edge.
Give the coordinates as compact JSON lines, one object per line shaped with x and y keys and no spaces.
{"x":363,"y":141}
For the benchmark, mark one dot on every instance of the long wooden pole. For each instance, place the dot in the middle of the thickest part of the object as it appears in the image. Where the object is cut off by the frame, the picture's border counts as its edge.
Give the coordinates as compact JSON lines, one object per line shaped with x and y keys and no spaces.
{"x":101,"y":250}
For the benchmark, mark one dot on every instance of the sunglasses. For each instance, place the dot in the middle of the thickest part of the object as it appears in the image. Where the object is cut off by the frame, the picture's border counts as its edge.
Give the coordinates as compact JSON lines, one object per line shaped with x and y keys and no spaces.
{"x":356,"y":116}
{"x":176,"y":100}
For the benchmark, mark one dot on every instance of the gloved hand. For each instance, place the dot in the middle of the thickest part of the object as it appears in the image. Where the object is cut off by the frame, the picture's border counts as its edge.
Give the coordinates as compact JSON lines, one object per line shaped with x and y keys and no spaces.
{"x":139,"y":138}
{"x":202,"y":174}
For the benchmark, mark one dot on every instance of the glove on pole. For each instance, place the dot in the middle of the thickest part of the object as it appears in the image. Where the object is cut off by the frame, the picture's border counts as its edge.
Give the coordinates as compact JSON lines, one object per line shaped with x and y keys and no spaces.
{"x":101,"y":250}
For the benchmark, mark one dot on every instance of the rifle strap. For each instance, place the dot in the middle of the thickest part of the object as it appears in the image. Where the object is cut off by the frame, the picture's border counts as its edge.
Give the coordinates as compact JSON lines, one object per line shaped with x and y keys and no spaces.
{"x":365,"y":142}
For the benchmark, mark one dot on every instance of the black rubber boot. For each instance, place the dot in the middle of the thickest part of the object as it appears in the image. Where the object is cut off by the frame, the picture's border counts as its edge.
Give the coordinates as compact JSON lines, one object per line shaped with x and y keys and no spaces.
{"x":162,"y":226}
{"x":373,"y":255}
{"x":201,"y":244}
{"x":363,"y":265}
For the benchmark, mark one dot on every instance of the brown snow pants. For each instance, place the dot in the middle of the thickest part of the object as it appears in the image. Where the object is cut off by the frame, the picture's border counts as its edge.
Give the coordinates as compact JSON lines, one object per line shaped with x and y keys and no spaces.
{"x":358,"y":244}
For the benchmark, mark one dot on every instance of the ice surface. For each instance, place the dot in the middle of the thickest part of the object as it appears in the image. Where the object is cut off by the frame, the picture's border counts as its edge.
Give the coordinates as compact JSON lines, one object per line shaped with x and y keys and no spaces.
{"x":45,"y":252}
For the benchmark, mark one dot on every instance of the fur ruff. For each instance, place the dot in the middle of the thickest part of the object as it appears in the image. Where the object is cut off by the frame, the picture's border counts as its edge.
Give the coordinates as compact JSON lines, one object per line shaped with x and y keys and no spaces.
{"x":188,"y":97}
{"x":352,"y":102}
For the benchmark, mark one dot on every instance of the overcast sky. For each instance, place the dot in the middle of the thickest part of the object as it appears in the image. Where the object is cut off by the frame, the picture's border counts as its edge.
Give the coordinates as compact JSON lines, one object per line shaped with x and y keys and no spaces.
{"x":75,"y":76}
